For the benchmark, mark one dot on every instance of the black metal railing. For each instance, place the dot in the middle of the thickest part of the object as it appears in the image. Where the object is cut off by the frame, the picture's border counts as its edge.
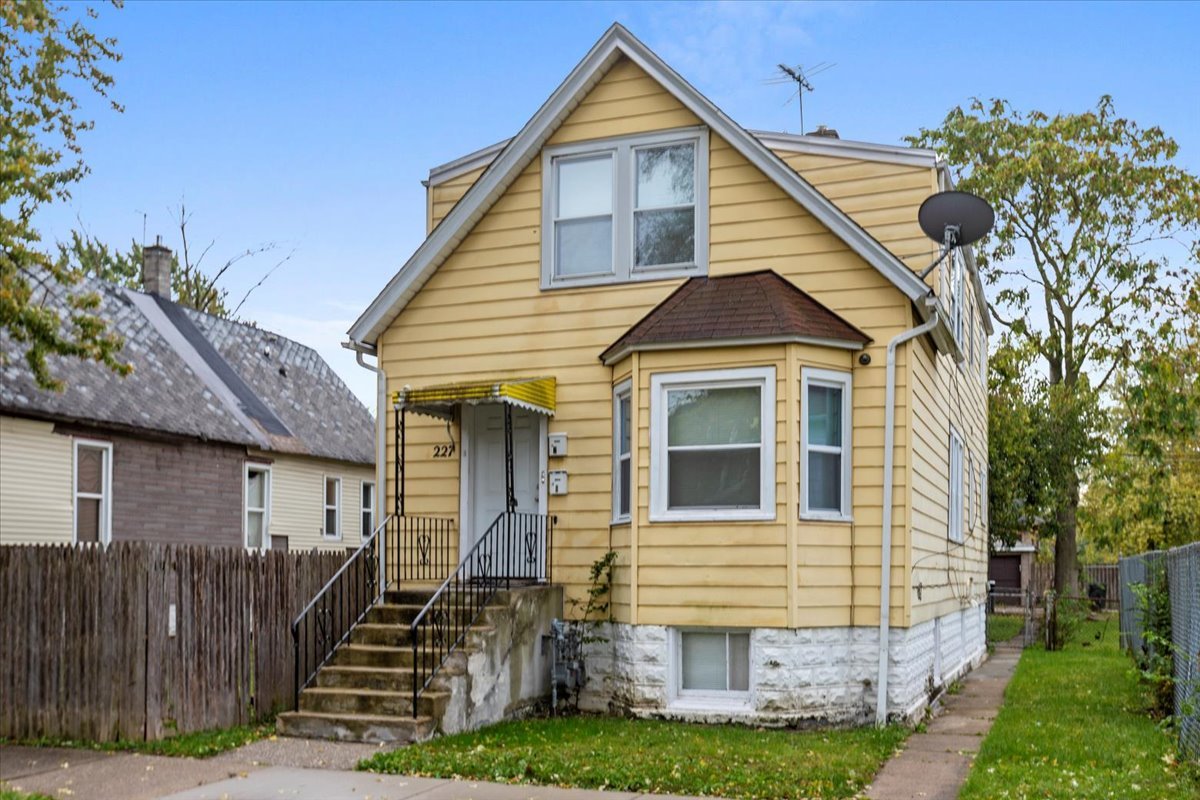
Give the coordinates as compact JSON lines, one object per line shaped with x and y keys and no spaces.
{"x":420,"y":549}
{"x":515,"y":549}
{"x":341,"y":604}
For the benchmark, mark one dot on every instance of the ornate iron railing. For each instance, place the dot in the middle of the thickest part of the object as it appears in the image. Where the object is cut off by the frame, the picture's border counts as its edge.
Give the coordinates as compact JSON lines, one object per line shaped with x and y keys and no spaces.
{"x":420,"y":549}
{"x":515,"y":548}
{"x":341,"y":604}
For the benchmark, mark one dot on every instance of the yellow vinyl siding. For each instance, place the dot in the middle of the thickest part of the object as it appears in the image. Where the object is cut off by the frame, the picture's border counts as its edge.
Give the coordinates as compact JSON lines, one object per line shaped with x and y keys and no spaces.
{"x":441,"y":197}
{"x":482,"y":315}
{"x":36,"y":473}
{"x":298,"y":495}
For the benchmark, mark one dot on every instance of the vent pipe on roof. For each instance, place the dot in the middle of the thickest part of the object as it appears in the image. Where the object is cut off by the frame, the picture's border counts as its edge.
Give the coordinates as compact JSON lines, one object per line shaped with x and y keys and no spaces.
{"x":828,"y":133}
{"x":156,"y":269}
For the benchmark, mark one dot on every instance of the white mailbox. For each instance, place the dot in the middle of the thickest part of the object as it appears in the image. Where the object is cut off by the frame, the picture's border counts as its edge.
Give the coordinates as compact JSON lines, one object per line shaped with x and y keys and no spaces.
{"x":558,"y":481}
{"x":556,"y":444}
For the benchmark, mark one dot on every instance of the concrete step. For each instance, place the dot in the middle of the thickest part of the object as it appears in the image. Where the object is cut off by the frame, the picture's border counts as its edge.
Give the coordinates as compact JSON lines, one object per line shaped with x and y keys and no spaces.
{"x":372,"y":702}
{"x":376,"y":655}
{"x":355,"y":727}
{"x":335,"y":676}
{"x":382,"y":633}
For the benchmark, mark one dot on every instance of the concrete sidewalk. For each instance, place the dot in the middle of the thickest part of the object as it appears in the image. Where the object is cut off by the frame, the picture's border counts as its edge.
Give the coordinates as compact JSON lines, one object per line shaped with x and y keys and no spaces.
{"x":934,"y":764}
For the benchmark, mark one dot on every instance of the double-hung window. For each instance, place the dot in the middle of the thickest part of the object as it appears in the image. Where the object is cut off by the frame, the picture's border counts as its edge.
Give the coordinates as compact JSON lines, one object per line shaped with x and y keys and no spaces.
{"x":970,"y":492}
{"x":625,"y":209}
{"x":368,"y":508}
{"x":825,"y":444}
{"x":713,"y":445}
{"x":332,"y":526}
{"x":257,"y":512}
{"x":93,"y":491}
{"x":951,"y":293}
{"x":955,"y":521}
{"x":622,"y":452}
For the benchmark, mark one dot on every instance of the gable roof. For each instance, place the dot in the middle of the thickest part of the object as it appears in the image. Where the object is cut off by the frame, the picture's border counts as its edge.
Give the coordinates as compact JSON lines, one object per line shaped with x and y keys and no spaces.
{"x":750,"y":307}
{"x":197,"y":376}
{"x":524,"y":147}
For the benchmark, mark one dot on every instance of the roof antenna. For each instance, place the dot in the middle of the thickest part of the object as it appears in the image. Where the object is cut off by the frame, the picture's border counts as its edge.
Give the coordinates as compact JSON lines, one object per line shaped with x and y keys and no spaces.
{"x":800,"y":77}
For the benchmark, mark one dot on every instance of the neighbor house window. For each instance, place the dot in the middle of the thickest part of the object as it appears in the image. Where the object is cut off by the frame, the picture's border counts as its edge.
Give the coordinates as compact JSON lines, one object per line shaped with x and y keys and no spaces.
{"x":955,"y":530}
{"x":368,"y":508}
{"x":825,"y":444}
{"x":93,"y":491}
{"x":713,"y":445}
{"x":622,"y":452}
{"x":333,"y":508}
{"x":257,"y":521}
{"x":713,"y":664}
{"x":625,"y":209}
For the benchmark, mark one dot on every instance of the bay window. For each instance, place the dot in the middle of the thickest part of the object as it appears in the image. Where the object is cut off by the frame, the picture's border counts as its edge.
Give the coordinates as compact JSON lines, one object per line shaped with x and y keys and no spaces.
{"x":825,"y":444}
{"x":622,"y":452}
{"x":713,"y":445}
{"x":624,"y":209}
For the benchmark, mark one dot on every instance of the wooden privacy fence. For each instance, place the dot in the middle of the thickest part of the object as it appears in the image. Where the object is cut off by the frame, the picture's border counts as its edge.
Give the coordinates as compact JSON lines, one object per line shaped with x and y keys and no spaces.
{"x":90,"y":650}
{"x":1103,"y":574}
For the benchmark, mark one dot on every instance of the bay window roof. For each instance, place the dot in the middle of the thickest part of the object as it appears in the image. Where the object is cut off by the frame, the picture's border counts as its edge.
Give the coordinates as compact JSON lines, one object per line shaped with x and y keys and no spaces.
{"x":747,"y":308}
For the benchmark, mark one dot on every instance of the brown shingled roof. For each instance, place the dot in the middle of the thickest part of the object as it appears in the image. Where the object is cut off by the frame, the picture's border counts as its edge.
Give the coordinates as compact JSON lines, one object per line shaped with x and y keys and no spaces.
{"x":752,"y":305}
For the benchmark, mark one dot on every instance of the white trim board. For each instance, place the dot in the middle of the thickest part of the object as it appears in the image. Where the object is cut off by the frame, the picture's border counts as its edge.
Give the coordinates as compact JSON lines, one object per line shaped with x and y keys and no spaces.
{"x":616,"y":42}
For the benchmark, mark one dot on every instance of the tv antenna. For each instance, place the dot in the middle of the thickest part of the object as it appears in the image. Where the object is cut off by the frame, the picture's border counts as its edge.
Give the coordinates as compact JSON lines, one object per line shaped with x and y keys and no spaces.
{"x":800,"y":76}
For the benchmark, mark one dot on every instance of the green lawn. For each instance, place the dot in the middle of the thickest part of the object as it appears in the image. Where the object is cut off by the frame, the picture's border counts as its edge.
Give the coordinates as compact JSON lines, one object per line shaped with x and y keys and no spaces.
{"x":200,"y":744}
{"x":1002,"y":627}
{"x":12,"y":794}
{"x":1074,"y":726}
{"x":654,"y":756}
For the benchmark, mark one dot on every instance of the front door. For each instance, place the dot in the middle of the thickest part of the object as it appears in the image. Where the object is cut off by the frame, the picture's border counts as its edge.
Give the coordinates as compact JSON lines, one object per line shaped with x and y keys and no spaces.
{"x":485,"y":466}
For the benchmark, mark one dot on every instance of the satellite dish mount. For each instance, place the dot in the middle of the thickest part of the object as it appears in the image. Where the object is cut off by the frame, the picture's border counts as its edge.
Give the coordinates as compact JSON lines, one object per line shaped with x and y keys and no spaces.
{"x":953,"y":219}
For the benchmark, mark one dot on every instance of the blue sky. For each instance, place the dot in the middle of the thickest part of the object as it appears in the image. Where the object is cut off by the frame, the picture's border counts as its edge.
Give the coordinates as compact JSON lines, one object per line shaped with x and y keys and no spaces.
{"x":311,"y":125}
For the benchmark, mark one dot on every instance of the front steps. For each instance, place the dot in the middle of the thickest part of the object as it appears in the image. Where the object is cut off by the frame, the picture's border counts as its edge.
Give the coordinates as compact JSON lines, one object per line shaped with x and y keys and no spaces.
{"x":364,"y":692}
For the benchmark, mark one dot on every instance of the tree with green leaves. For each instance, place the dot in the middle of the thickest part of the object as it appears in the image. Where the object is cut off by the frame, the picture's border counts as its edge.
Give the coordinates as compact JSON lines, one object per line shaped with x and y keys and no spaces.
{"x":1084,"y":256}
{"x":47,"y":56}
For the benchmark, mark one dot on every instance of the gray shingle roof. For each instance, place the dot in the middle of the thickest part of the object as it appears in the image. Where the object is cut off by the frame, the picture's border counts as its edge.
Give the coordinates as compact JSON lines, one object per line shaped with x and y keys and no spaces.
{"x":166,"y":392}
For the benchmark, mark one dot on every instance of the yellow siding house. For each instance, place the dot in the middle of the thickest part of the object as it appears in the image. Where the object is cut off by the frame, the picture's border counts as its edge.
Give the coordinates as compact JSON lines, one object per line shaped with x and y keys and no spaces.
{"x":680,"y":334}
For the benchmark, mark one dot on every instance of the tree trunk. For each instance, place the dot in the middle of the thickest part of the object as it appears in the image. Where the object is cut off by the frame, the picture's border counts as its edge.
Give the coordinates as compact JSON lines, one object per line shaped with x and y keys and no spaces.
{"x":1066,"y":560}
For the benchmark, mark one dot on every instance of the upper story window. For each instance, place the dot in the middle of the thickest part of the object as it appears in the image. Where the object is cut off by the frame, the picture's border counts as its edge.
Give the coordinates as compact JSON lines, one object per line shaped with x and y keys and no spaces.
{"x":93,"y":491}
{"x":713,"y":445}
{"x":625,"y":209}
{"x":825,"y":444}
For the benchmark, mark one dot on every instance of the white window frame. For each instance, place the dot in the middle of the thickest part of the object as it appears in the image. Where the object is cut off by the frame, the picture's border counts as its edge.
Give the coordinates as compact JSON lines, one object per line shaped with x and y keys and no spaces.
{"x":660,"y":384}
{"x":954,"y":527}
{"x":707,"y":698}
{"x":810,"y":376}
{"x":622,"y":391}
{"x":362,"y":510}
{"x":106,"y":489}
{"x":337,"y":507}
{"x":623,"y":150}
{"x":256,"y":467}
{"x":983,"y":355}
{"x":983,"y":496}
{"x":970,"y":491}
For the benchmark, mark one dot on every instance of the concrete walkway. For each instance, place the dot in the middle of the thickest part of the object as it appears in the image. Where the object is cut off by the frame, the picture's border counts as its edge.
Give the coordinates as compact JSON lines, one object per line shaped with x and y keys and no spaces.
{"x":934,"y":764}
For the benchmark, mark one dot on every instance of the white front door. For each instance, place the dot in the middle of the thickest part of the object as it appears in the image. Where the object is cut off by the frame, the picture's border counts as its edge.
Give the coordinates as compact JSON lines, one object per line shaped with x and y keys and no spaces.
{"x":484,"y":454}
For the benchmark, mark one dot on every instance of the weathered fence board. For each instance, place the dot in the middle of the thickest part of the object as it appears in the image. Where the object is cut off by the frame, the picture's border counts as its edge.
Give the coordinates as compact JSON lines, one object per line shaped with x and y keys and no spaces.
{"x":1104,"y":574}
{"x":89,"y":654}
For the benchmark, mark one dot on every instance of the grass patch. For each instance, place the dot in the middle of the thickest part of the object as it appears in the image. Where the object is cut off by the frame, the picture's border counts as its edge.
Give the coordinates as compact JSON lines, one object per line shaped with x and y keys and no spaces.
{"x":1002,"y":627}
{"x":12,"y":794}
{"x":1074,"y":725}
{"x":654,"y":756}
{"x":201,"y":744}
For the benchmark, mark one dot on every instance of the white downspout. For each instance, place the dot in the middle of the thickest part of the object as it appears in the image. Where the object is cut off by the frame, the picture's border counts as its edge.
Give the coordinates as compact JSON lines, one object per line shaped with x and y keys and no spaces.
{"x":380,"y":443}
{"x":889,"y":442}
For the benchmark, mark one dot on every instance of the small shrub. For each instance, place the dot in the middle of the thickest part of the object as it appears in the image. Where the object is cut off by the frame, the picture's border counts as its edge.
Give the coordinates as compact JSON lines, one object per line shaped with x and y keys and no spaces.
{"x":1156,"y":661}
{"x":1064,"y":616}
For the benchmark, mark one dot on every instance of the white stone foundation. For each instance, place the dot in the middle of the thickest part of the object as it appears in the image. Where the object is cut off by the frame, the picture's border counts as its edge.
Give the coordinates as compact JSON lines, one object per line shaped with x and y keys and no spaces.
{"x":825,"y":675}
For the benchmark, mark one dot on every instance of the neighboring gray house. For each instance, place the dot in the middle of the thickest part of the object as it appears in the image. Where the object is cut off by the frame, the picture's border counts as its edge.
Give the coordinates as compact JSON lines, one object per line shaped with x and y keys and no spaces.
{"x":224,"y":434}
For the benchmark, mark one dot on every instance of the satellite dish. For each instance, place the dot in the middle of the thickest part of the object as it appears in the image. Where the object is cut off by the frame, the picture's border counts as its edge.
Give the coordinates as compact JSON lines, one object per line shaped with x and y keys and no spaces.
{"x":955,"y":218}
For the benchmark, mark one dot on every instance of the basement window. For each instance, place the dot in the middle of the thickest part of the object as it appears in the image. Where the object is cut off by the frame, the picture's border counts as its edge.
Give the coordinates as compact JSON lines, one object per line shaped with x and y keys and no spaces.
{"x":712,"y":665}
{"x":625,"y":209}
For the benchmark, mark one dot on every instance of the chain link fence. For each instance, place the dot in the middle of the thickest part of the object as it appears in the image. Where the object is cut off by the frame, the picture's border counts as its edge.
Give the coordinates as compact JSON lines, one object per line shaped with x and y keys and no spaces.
{"x":1182,"y":569}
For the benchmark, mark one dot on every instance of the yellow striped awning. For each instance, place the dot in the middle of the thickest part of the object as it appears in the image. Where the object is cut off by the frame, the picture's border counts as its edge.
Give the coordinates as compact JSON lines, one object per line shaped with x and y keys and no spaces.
{"x":535,"y":394}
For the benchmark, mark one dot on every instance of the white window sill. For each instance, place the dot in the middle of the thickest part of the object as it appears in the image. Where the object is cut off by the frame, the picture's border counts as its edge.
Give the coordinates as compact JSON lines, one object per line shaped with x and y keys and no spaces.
{"x":739,"y":704}
{"x":609,"y":278}
{"x":817,"y":516}
{"x":701,"y":515}
{"x":620,"y":521}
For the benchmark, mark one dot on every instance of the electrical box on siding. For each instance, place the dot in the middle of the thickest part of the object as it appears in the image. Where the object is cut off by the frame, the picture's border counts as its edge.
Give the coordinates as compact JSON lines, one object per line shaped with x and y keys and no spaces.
{"x":557,"y":445}
{"x":558,"y":481}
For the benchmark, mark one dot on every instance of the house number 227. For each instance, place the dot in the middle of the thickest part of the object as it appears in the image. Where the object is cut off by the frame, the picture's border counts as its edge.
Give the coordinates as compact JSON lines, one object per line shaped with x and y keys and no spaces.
{"x":443,"y":450}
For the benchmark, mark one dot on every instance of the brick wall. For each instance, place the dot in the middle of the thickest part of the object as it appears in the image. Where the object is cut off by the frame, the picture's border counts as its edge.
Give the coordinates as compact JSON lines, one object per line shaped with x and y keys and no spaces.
{"x":180,"y":492}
